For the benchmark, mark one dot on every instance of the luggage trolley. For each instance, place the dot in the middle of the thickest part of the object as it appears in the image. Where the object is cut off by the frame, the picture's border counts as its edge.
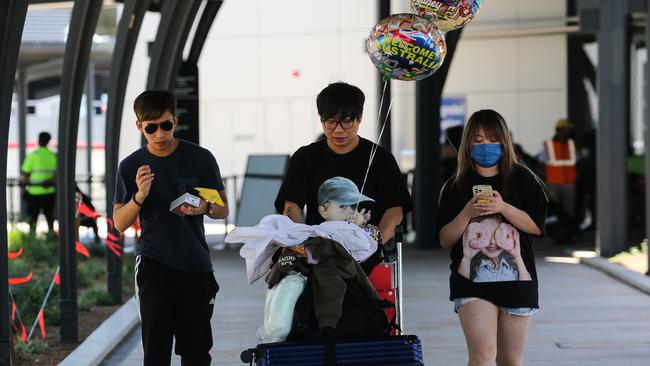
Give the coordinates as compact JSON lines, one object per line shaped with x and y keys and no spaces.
{"x":386,"y":278}
{"x":395,"y":350}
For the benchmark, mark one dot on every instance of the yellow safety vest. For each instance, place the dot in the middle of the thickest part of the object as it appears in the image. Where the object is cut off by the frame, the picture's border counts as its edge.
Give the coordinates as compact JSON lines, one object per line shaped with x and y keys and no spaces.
{"x":41,"y":166}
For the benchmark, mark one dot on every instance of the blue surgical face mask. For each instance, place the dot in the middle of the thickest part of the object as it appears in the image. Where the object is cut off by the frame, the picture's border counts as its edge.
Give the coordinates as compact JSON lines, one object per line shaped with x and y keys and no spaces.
{"x":487,"y":155}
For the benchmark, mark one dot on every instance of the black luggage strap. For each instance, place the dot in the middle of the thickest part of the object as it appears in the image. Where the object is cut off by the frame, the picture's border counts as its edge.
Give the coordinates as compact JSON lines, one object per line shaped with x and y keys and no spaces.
{"x":392,"y":324}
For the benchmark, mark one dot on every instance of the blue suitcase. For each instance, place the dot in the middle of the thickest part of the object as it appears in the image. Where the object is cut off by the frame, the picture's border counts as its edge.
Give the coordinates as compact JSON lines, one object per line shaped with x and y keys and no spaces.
{"x":393,"y":351}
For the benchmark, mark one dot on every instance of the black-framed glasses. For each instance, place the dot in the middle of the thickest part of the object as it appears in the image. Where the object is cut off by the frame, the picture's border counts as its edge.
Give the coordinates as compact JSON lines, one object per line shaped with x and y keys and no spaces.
{"x":151,"y":128}
{"x":345,"y":124}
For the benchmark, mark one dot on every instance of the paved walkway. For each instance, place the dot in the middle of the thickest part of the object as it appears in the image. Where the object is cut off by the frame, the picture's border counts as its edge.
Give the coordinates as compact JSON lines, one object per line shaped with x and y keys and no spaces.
{"x":587,"y":318}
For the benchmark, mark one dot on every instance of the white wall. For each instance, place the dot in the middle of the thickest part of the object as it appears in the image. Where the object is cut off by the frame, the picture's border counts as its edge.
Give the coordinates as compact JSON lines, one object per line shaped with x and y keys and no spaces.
{"x":264,"y":62}
{"x":523,"y":78}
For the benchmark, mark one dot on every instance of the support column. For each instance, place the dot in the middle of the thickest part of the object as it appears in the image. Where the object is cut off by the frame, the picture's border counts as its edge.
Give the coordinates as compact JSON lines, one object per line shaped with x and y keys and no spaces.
{"x":647,"y":131}
{"x":75,"y":66}
{"x":428,"y":94}
{"x":127,"y":37}
{"x":21,"y":89}
{"x":90,"y":96}
{"x":12,"y":21}
{"x":613,"y":124}
{"x":22,"y":116}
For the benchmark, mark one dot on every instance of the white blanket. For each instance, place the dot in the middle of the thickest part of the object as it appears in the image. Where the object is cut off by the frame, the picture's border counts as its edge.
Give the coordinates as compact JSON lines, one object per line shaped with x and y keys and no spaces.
{"x":274,"y":231}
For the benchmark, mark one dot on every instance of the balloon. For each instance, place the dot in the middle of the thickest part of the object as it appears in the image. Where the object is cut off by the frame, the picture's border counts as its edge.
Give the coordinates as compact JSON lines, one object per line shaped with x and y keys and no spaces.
{"x":447,"y":15}
{"x":406,"y":47}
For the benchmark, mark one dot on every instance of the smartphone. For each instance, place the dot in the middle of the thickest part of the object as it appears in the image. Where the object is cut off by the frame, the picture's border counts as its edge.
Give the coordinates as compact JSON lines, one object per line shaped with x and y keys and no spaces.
{"x":482,"y":190}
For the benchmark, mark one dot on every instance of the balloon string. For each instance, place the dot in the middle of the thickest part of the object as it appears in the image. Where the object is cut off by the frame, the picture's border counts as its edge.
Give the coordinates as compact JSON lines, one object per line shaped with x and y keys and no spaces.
{"x":375,"y":146}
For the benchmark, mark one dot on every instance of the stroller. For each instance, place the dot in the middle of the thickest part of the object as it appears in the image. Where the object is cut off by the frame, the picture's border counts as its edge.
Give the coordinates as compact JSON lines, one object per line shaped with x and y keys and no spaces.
{"x":393,"y":349}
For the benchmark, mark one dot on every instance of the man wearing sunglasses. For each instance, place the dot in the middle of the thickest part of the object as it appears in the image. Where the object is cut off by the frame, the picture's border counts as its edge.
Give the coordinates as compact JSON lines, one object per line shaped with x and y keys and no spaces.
{"x":343,"y":153}
{"x":175,"y":286}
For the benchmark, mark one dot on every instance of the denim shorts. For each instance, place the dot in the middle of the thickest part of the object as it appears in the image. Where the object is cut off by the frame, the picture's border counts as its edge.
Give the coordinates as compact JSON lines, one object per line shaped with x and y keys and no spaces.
{"x":510,"y":311}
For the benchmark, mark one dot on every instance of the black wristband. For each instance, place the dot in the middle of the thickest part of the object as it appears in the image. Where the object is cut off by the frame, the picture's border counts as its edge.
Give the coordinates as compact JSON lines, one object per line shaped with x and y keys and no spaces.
{"x":136,"y":202}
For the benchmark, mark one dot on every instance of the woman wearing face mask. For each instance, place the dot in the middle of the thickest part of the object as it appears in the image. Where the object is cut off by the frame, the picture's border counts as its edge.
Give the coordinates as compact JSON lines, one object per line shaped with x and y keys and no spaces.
{"x":493,"y":280}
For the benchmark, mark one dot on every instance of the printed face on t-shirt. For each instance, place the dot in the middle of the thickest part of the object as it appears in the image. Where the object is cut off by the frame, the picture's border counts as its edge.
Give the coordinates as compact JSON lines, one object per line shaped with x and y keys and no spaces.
{"x":338,"y":199}
{"x":492,"y":246}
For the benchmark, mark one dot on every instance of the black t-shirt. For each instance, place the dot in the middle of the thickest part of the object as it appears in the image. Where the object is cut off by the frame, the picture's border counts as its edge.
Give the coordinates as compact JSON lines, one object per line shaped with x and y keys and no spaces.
{"x":313,"y":164}
{"x":178,"y":242}
{"x":502,"y":265}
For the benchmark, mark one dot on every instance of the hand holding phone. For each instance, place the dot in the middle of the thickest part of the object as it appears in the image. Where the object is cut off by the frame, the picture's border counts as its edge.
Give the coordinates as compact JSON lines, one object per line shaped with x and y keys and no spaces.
{"x":482,"y":190}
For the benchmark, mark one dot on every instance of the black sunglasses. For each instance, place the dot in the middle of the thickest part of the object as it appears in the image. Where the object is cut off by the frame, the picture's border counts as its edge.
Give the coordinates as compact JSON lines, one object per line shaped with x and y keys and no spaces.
{"x":151,"y":128}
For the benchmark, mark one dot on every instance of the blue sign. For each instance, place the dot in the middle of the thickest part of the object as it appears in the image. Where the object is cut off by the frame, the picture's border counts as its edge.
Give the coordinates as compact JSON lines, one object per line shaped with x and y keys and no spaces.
{"x":452,"y":113}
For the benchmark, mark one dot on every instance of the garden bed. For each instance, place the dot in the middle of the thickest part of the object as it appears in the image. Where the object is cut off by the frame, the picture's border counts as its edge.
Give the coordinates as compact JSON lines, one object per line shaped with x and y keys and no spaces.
{"x":634,"y":259}
{"x":40,"y":256}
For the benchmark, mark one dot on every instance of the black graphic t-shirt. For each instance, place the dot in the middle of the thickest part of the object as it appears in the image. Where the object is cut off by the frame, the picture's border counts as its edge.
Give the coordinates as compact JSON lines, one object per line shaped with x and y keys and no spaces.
{"x":311,"y":165}
{"x":178,"y":242}
{"x":493,"y":260}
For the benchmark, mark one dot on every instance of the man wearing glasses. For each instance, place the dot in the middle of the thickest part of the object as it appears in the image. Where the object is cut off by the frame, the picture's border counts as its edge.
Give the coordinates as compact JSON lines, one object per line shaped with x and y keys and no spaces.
{"x":174,"y":283}
{"x":343,"y":153}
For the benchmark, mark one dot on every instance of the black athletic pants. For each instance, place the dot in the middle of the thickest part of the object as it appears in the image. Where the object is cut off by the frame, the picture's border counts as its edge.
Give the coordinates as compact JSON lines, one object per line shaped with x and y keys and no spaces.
{"x":174,"y":304}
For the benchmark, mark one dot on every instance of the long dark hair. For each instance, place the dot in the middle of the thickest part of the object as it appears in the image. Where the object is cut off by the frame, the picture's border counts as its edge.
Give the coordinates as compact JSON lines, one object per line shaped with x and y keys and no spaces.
{"x":494,"y":126}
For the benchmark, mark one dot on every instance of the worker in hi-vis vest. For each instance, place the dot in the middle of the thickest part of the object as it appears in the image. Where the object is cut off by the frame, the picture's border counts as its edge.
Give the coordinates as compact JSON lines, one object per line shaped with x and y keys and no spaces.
{"x":39,"y":178}
{"x":560,"y":167}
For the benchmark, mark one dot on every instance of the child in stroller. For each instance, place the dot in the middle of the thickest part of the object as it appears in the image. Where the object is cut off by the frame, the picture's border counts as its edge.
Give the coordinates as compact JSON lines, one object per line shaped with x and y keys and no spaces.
{"x":335,"y":277}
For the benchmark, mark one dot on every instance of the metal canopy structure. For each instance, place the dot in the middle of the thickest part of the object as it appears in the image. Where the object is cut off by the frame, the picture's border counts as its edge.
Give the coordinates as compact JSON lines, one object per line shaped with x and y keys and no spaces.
{"x":175,"y":23}
{"x":160,"y":76}
{"x":85,"y":14}
{"x":426,"y":183}
{"x":609,"y":20}
{"x":127,"y":37}
{"x":12,"y":20}
{"x":203,"y":28}
{"x":647,"y":127}
{"x":613,"y":122}
{"x":177,"y":17}
{"x":166,"y":56}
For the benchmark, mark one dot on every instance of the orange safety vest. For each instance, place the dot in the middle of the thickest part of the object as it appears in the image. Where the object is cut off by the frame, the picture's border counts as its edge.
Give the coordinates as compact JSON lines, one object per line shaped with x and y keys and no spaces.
{"x":561,"y":162}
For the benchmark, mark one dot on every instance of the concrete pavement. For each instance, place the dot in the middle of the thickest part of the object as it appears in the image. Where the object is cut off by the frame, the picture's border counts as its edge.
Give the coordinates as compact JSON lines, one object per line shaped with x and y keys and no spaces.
{"x":587,"y":317}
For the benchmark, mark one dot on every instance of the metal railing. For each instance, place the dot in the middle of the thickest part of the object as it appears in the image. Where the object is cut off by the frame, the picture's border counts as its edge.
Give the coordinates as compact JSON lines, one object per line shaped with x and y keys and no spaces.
{"x":94,"y":187}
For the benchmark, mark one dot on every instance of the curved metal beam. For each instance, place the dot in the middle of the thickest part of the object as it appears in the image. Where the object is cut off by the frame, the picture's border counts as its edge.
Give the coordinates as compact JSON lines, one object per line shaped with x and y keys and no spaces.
{"x":175,"y":25}
{"x":203,"y":28}
{"x":127,"y":37}
{"x":75,"y":66}
{"x":176,"y":17}
{"x":12,"y":21}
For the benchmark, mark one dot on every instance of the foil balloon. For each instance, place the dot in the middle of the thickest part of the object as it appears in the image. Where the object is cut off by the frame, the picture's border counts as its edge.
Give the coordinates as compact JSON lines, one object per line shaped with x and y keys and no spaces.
{"x":447,"y":15}
{"x":406,"y":47}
